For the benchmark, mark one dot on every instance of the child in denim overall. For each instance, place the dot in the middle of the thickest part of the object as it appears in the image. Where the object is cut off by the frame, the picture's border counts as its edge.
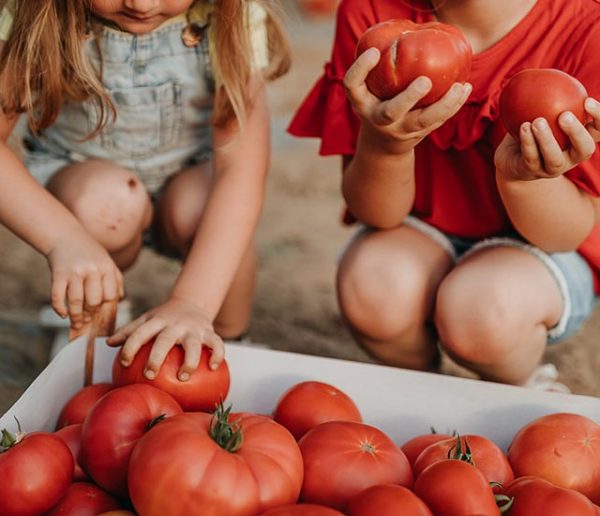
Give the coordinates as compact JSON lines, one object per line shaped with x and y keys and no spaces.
{"x":147,"y":121}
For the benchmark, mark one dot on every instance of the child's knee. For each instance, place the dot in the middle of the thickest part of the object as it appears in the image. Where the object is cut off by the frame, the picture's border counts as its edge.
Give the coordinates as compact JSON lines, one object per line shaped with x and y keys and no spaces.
{"x":109,"y":201}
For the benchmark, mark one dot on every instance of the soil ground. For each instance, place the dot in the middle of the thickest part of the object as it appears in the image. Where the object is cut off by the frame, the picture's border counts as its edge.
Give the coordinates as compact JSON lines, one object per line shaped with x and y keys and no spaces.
{"x":299,"y":239}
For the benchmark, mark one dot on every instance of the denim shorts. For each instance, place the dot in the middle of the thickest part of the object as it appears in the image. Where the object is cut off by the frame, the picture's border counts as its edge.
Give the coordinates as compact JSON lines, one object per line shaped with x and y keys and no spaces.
{"x":572,"y":273}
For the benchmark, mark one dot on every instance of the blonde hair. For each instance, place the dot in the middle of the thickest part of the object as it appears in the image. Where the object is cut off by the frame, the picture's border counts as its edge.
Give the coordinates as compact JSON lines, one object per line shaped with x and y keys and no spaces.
{"x":43,"y":64}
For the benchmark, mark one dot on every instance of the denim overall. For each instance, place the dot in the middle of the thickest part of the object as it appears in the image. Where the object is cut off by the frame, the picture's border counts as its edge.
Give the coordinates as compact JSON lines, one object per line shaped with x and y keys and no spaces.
{"x":163,"y":94}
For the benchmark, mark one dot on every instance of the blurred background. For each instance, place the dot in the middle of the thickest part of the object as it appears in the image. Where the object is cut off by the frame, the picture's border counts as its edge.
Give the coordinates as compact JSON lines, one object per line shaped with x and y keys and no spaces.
{"x":299,"y":239}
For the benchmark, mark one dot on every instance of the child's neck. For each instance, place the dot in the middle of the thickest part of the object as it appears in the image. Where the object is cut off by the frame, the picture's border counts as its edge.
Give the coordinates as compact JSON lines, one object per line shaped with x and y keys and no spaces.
{"x":484,"y":22}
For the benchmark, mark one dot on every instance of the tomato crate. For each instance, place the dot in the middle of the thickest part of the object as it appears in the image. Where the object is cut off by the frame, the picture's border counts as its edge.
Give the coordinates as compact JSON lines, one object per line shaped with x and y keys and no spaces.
{"x":400,"y":402}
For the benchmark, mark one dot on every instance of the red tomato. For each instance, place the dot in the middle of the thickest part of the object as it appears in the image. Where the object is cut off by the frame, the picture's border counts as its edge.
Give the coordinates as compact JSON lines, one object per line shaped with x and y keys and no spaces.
{"x":342,"y":458}
{"x":561,"y":448}
{"x":302,"y":509}
{"x":35,"y":473}
{"x":113,"y":427}
{"x":308,"y":404}
{"x":71,"y":435}
{"x":84,"y":499}
{"x":81,"y":403}
{"x":387,"y":500}
{"x":486,"y":456}
{"x":240,"y":464}
{"x":202,"y":392}
{"x":456,"y":488}
{"x":538,"y":496}
{"x":413,"y":448}
{"x":409,"y":50}
{"x":543,"y":92}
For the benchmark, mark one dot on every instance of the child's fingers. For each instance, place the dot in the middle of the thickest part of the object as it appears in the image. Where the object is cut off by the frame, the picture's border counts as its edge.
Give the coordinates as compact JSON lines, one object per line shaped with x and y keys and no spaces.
{"x":214,"y":342}
{"x":75,"y":301}
{"x":140,"y":336}
{"x":354,"y":80}
{"x":582,"y":144}
{"x":436,"y":114}
{"x":193,"y":350}
{"x":163,"y":343}
{"x":122,"y":333}
{"x":551,"y":153}
{"x":110,"y":287}
{"x":58,"y":294}
{"x":592,"y":106}
{"x":92,"y":287}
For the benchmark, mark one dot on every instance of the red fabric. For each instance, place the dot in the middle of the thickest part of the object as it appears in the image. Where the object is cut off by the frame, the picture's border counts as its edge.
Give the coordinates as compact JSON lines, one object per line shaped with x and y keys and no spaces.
{"x":455,"y":184}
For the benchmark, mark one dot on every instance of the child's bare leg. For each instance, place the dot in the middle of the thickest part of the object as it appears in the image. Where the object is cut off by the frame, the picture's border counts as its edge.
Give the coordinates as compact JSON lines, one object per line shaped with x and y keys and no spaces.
{"x":493,"y":312}
{"x":386,"y":290}
{"x":110,"y":202}
{"x":179,"y":212}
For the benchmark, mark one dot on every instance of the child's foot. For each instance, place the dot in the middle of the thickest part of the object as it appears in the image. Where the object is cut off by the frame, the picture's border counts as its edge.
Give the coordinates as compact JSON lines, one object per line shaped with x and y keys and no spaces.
{"x":544,"y":378}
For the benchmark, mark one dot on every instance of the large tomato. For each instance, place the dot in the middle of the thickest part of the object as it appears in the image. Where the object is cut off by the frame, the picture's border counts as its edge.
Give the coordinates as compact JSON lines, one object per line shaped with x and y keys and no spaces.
{"x":71,"y":435}
{"x":35,"y":473}
{"x":202,"y":392}
{"x":387,"y":500}
{"x":485,"y":455}
{"x":195,"y":463}
{"x":84,"y":499}
{"x":561,"y":448}
{"x":532,"y":495}
{"x":342,"y":458}
{"x":413,"y":447}
{"x":410,"y":50}
{"x":113,"y":427}
{"x":543,"y":92}
{"x":302,"y":509}
{"x":326,"y":402}
{"x":456,"y":488}
{"x":81,"y":403}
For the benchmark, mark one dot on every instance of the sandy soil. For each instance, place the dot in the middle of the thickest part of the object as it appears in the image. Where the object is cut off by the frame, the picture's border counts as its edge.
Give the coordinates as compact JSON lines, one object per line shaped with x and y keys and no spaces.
{"x":299,"y":239}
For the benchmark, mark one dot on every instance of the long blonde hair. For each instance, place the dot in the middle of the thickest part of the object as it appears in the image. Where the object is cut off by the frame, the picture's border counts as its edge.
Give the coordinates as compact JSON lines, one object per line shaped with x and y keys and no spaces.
{"x":43,"y":64}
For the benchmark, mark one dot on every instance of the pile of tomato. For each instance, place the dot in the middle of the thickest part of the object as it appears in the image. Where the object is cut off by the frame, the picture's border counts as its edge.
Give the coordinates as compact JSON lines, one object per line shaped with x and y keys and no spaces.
{"x":160,"y":447}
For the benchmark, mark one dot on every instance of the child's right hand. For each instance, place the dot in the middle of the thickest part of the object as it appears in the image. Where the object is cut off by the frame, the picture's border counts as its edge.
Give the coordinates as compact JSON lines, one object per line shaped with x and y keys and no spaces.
{"x":84,"y":275}
{"x":395,"y":120}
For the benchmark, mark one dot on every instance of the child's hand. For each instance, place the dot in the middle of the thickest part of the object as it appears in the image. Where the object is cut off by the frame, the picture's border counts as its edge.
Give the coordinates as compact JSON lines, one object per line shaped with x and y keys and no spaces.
{"x":537,"y":155}
{"x":83,"y":274}
{"x":174,"y":322}
{"x":395,"y":119}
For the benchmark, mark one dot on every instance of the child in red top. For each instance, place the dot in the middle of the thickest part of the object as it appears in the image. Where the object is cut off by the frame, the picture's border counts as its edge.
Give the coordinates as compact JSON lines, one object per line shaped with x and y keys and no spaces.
{"x":489,"y":244}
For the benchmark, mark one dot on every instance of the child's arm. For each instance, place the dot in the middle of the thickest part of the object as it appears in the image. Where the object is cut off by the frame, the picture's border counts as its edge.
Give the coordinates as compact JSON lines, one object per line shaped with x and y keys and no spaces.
{"x":547,"y":208}
{"x":241,"y":161}
{"x":378,"y":183}
{"x":83,"y":273}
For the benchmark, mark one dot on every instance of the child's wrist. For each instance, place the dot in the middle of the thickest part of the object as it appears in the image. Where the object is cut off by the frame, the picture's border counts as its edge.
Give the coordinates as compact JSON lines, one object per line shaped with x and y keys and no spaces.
{"x":379,"y":142}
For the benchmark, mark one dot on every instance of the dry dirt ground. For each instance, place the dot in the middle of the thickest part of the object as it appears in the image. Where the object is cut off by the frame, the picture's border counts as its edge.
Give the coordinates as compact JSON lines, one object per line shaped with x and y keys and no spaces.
{"x":299,"y":239}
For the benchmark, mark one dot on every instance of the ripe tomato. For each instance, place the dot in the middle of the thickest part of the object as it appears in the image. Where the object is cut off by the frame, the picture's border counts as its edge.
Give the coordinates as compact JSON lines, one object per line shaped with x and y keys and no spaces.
{"x":485,"y":455}
{"x":308,"y":404}
{"x":84,"y":499}
{"x":81,"y":403}
{"x":202,"y":392}
{"x":534,"y":495}
{"x":387,"y":500}
{"x":409,"y":50}
{"x":522,"y":100}
{"x":456,"y":488}
{"x":342,"y":458}
{"x":71,"y":435}
{"x":195,"y":463}
{"x":561,"y":448}
{"x":302,"y":509}
{"x":113,"y":427}
{"x":35,"y":471}
{"x":413,"y":447}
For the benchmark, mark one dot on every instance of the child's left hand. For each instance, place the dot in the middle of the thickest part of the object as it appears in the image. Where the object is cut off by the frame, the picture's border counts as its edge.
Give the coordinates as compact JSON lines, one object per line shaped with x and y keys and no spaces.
{"x":175,"y":322}
{"x":537,"y":155}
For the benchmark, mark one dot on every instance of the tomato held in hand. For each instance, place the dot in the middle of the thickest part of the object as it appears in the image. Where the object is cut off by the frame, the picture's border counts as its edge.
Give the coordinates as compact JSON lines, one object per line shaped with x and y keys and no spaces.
{"x":561,"y":448}
{"x":84,"y":499}
{"x":342,"y":458}
{"x":81,"y":403}
{"x":202,"y":392}
{"x":410,"y":50}
{"x":35,"y":473}
{"x":308,"y":404}
{"x":532,"y":495}
{"x":387,"y":500}
{"x":413,"y":447}
{"x":114,"y":426}
{"x":230,"y":464}
{"x":545,"y":93}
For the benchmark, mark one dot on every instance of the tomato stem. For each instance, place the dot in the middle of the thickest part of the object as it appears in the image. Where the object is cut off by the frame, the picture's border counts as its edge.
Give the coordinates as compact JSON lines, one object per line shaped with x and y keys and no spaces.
{"x":457,"y":452}
{"x":504,"y":502}
{"x":227,"y":436}
{"x":155,"y":421}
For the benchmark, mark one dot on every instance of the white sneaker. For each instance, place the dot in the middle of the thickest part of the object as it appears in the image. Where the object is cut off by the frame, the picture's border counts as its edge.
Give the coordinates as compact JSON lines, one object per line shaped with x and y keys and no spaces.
{"x":544,"y":378}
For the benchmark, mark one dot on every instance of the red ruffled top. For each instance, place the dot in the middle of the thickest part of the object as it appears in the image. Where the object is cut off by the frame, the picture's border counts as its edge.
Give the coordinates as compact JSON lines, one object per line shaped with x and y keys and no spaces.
{"x":455,"y":176}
